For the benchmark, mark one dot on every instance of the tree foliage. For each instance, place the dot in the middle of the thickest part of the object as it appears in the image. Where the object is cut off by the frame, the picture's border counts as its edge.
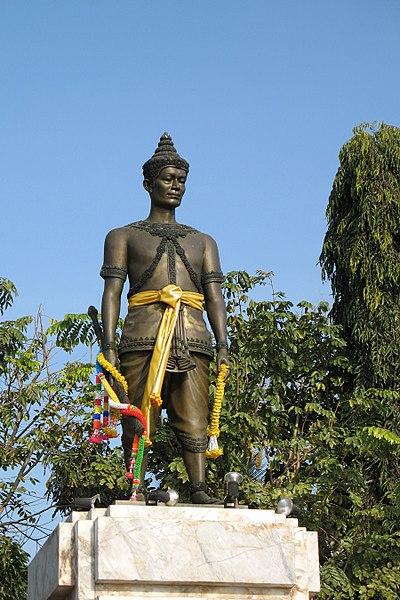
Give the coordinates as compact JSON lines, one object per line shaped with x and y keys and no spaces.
{"x":311,"y":409}
{"x":13,"y":566}
{"x":361,"y":258}
{"x":45,"y":417}
{"x":361,"y":252}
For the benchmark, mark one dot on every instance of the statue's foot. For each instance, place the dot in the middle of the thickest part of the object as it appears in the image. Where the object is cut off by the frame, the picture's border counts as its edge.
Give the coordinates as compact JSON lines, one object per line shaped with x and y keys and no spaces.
{"x":199,"y":494}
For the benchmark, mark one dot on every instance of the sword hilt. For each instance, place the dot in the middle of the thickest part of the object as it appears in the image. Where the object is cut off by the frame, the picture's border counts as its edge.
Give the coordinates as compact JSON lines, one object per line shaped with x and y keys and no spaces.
{"x":93,"y":314}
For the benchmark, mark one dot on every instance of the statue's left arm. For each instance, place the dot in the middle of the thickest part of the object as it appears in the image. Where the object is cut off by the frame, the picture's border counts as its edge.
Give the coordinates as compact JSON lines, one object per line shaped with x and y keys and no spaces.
{"x":212,"y":278}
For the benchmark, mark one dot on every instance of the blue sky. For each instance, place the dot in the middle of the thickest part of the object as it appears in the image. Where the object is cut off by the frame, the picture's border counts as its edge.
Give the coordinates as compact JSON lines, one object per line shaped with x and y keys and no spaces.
{"x":259,"y":96}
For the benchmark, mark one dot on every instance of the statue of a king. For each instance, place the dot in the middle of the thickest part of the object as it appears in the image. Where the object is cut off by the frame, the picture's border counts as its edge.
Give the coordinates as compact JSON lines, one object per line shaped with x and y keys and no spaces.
{"x":174,"y":274}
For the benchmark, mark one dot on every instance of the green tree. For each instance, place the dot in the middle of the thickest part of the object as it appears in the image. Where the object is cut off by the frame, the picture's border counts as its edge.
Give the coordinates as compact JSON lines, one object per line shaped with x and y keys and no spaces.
{"x":13,"y":566}
{"x":360,"y":257}
{"x":45,"y":417}
{"x":361,"y":253}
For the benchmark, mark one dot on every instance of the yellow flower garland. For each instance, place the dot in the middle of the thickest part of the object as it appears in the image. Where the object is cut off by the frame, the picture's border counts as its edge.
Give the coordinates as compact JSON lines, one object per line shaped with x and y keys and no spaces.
{"x":101,"y":359}
{"x":110,"y":431}
{"x":213,"y":451}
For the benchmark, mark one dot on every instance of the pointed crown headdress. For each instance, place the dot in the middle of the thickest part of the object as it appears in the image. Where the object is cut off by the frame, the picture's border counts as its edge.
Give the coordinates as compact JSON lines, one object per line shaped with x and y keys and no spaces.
{"x":165,"y":155}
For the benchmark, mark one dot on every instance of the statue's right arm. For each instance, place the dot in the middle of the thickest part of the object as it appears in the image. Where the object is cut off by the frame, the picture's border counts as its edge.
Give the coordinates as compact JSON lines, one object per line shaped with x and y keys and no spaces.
{"x":114,"y":272}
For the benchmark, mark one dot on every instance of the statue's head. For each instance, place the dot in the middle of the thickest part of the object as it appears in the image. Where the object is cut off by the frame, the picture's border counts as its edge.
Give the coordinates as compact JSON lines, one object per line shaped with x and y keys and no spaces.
{"x":165,"y":155}
{"x":165,"y":175}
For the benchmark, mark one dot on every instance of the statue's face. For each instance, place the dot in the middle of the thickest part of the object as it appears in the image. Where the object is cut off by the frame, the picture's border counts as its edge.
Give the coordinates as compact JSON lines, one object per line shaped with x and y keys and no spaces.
{"x":167,"y":189}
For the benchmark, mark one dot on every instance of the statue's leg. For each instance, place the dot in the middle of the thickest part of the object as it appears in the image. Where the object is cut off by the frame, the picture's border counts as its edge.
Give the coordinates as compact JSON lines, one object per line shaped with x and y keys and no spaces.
{"x":187,"y":407}
{"x":195,"y":463}
{"x":135,"y":368}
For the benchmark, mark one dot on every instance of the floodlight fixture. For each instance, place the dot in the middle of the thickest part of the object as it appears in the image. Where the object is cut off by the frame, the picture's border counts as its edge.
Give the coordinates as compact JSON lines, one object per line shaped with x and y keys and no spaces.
{"x":232,"y":482}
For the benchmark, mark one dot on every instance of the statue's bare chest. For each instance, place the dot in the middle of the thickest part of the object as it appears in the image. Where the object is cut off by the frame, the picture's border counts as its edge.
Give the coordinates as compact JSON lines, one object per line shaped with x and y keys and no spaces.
{"x":155,"y":249}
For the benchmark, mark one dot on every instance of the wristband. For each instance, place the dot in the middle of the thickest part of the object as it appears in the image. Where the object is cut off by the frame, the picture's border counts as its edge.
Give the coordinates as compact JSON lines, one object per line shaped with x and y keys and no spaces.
{"x":222,"y":345}
{"x":109,"y":346}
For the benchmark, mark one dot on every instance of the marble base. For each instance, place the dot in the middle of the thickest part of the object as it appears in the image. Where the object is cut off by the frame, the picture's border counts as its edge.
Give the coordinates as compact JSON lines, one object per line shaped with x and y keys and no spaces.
{"x":130,"y":551}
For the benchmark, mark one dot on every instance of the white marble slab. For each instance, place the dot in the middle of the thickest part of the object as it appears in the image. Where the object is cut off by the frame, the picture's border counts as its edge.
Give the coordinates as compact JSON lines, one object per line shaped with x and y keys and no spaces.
{"x":50,"y":571}
{"x":144,"y":549}
{"x":84,"y":561}
{"x":314,"y":583}
{"x":83,"y":515}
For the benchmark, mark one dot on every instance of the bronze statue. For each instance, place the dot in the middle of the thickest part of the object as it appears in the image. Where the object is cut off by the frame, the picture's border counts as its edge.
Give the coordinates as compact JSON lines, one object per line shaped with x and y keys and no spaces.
{"x":173,"y":270}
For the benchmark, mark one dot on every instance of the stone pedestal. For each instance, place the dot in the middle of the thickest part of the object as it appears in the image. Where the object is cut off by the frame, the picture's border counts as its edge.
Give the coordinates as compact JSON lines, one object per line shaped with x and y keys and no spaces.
{"x":129,"y":551}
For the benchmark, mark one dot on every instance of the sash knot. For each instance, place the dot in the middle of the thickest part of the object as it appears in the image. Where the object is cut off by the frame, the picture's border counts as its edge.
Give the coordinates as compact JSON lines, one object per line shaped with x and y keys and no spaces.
{"x":170,"y":294}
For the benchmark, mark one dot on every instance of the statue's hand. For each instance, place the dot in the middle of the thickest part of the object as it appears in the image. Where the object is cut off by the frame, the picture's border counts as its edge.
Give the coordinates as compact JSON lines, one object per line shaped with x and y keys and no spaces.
{"x":222,"y":358}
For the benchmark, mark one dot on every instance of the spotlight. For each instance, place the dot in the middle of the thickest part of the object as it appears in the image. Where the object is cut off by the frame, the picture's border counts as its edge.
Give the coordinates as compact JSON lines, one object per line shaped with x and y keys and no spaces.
{"x":286,"y":507}
{"x":86,"y":503}
{"x":232,"y":481}
{"x":169,"y":498}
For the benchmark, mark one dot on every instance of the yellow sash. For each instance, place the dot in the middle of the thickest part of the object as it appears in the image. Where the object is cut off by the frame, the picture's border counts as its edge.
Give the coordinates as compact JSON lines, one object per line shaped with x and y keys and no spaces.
{"x":172,"y":296}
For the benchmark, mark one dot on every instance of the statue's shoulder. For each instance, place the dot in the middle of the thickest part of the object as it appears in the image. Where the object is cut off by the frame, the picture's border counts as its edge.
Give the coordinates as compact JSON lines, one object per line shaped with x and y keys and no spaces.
{"x":117,"y":234}
{"x":209,"y":240}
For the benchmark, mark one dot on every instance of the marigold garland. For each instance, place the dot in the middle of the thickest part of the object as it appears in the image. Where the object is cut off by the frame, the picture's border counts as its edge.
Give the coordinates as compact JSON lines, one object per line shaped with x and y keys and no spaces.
{"x":155,"y":400}
{"x":213,"y":451}
{"x":110,"y":431}
{"x":101,"y":359}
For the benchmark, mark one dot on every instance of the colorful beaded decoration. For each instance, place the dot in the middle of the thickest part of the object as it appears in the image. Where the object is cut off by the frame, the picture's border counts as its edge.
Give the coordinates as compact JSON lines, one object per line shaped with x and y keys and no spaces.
{"x":106,"y":408}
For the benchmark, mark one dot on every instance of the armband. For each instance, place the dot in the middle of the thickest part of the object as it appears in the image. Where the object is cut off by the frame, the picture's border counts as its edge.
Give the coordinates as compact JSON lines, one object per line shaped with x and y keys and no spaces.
{"x":109,"y":271}
{"x":212,"y":277}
